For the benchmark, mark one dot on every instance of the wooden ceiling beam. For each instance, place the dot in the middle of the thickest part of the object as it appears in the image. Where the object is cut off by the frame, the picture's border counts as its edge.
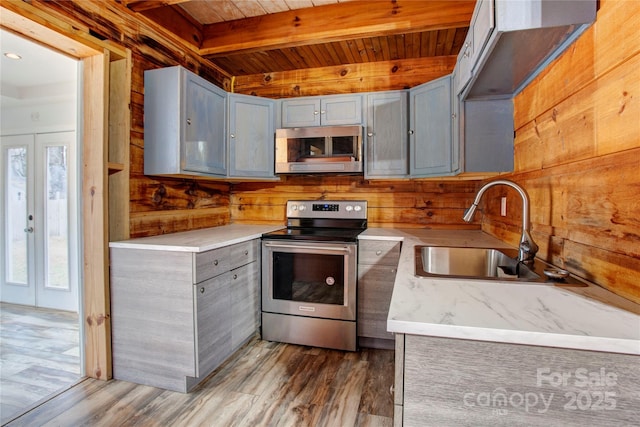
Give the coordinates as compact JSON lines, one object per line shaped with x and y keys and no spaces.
{"x":178,"y":22}
{"x":142,"y":5}
{"x":332,"y":23}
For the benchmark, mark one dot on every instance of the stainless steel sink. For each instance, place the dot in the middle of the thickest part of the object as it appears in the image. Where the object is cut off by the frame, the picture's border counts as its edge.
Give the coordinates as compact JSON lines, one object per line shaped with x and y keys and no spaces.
{"x":481,"y":263}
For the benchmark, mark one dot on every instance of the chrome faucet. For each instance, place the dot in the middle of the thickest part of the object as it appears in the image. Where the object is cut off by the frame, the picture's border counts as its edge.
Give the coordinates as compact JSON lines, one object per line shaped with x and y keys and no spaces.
{"x":527,"y":249}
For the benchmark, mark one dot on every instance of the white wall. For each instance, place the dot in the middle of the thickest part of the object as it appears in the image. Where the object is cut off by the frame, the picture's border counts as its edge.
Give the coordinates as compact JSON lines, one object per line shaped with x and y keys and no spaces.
{"x":38,"y":118}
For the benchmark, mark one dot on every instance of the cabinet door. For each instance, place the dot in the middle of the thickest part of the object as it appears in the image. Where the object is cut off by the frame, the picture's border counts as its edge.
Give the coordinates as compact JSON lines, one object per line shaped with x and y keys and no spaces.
{"x":251,"y":136}
{"x":464,"y":64}
{"x":341,"y":110}
{"x":456,"y":128}
{"x":482,"y":25}
{"x":245,"y":303}
{"x":387,"y":142}
{"x":301,"y":112}
{"x":430,"y":124}
{"x":203,"y":124}
{"x":488,"y":135}
{"x":213,"y":323}
{"x":375,"y":286}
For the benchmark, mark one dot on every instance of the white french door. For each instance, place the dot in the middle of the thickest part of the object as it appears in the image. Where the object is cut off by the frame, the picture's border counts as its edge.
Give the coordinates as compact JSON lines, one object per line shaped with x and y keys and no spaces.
{"x":40,"y":231}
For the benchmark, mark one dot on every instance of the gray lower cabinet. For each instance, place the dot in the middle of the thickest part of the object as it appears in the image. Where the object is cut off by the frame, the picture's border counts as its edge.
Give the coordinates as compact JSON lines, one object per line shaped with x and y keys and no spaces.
{"x":251,"y":136}
{"x":176,"y":316}
{"x":245,"y":303}
{"x":377,"y":267}
{"x":454,"y":382}
{"x":213,"y":324}
{"x":387,"y":145}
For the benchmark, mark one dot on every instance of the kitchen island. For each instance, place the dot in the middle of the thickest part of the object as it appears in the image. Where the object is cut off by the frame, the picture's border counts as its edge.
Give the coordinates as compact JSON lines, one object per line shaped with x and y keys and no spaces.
{"x":494,"y":352}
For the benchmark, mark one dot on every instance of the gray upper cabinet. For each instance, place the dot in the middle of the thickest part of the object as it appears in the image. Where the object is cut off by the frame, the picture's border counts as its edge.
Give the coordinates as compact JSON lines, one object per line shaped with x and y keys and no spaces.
{"x":509,"y":42}
{"x":430,"y":126}
{"x":184,"y":124}
{"x":322,"y":111}
{"x":486,"y":138}
{"x":386,"y":143}
{"x":482,"y":23}
{"x":455,"y":125}
{"x":251,"y":136}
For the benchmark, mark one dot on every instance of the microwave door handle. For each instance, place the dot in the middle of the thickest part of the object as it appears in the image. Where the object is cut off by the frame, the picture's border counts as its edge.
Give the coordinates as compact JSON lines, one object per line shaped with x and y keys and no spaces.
{"x":307,"y":247}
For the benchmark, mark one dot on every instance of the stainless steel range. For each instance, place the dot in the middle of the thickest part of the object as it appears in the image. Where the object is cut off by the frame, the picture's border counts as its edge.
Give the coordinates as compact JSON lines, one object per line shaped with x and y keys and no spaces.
{"x":309,"y":274}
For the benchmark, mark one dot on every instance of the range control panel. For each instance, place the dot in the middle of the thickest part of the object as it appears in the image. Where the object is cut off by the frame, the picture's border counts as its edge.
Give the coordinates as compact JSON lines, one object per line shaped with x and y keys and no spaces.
{"x":327,"y":209}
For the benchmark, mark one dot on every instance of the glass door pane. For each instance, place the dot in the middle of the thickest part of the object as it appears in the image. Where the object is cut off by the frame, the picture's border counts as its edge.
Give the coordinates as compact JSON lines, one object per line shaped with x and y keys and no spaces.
{"x":309,"y":277}
{"x":56,"y":218}
{"x":16,"y":220}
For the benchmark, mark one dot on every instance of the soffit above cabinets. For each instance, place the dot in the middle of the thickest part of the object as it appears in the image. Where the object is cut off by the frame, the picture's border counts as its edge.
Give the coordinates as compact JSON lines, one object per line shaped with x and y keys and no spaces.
{"x":262,"y":36}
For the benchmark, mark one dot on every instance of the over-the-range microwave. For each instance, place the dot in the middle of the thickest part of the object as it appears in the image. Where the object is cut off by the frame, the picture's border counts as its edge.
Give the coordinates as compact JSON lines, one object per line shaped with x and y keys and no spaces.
{"x":323,"y":149}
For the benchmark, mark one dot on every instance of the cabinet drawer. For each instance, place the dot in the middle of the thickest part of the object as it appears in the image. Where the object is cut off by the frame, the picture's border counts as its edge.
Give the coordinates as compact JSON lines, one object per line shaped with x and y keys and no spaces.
{"x":211,"y":264}
{"x":243,"y":253}
{"x":379,"y":252}
{"x":217,"y":261}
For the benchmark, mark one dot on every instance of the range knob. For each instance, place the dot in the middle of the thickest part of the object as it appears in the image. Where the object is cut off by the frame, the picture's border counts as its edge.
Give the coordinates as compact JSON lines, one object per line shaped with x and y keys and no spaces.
{"x":357,"y":208}
{"x":349,"y":208}
{"x":302,"y":208}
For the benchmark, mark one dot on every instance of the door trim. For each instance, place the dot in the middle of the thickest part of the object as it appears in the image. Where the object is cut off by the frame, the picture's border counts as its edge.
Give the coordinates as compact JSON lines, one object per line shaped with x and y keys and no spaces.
{"x":95,"y":55}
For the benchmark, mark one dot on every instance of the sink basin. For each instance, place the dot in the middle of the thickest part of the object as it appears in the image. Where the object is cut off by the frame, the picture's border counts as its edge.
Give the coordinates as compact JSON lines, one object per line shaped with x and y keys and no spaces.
{"x":479,"y":263}
{"x":486,"y":263}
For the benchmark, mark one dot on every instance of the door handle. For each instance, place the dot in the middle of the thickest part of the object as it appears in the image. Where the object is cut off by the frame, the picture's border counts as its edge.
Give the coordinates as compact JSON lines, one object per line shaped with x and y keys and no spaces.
{"x":308,"y":247}
{"x":28,"y":230}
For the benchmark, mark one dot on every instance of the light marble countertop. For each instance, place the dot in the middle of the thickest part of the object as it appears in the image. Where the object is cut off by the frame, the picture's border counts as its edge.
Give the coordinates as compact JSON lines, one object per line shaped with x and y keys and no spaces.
{"x":586,"y":318}
{"x":198,"y":240}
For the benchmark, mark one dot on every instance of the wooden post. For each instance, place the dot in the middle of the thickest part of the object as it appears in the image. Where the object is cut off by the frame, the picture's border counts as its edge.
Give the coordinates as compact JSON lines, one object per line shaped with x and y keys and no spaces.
{"x":95,"y":204}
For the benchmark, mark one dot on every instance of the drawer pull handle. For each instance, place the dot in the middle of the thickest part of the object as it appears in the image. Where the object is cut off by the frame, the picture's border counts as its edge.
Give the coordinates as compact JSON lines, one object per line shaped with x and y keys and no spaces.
{"x":202,"y":290}
{"x":378,"y":252}
{"x":246,"y":252}
{"x":215,"y":262}
{"x":235,"y":276}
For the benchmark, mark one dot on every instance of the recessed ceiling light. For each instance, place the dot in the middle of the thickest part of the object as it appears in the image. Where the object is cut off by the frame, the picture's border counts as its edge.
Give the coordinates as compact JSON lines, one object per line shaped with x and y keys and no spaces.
{"x":12,"y":55}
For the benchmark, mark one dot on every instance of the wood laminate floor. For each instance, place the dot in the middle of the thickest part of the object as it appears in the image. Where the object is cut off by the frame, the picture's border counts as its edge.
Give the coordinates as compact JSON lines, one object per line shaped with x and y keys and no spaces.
{"x":263,"y":384}
{"x":39,"y":356}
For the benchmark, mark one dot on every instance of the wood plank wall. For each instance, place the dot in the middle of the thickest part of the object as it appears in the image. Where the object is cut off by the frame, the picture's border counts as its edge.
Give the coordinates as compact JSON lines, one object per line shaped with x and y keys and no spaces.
{"x":577,"y":153}
{"x":350,"y":78}
{"x":391,"y":203}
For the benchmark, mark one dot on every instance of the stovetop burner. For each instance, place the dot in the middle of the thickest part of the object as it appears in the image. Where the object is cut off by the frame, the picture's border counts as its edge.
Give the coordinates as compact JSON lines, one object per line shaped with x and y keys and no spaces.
{"x":323,"y":220}
{"x":324,"y":234}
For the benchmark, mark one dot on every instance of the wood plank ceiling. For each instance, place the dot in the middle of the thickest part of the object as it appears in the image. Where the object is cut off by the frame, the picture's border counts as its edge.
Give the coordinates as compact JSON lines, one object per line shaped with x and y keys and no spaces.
{"x":247,"y":37}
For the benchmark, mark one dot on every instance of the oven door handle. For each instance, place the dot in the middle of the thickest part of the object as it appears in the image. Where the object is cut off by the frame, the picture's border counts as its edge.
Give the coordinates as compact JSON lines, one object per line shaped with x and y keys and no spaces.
{"x":308,"y":247}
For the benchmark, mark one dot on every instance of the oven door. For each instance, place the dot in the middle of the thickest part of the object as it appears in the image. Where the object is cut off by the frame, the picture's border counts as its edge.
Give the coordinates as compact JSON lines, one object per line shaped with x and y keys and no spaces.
{"x":309,"y":278}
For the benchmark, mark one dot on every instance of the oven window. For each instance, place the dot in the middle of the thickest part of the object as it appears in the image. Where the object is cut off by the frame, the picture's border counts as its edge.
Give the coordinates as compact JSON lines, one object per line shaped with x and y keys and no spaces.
{"x":311,"y":278}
